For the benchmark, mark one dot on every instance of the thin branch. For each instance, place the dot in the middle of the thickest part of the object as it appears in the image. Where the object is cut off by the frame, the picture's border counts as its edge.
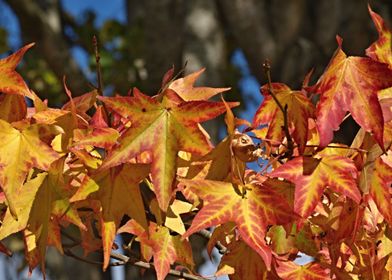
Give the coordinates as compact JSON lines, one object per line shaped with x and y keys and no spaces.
{"x":99,"y":76}
{"x":290,"y":143}
{"x":69,"y":253}
{"x":122,"y":260}
{"x":98,"y":65}
{"x":207,"y":235}
{"x":339,"y":147}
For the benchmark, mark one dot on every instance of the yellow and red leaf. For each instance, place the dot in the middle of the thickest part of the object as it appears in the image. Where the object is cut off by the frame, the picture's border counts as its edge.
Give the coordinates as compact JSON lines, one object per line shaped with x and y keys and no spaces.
{"x":252,"y":211}
{"x":311,"y":176}
{"x":351,"y":84}
{"x":380,"y":188}
{"x":381,"y":50}
{"x":299,"y":110}
{"x":10,"y":81}
{"x":164,"y":129}
{"x":185,"y":89}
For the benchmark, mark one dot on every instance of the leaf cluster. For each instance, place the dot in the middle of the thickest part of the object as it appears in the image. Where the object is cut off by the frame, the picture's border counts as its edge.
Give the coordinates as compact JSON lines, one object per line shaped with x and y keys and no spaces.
{"x":145,"y":168}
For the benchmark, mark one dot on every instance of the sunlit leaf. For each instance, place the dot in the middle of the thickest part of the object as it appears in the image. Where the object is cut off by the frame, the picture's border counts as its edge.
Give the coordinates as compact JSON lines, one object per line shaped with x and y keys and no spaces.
{"x":351,"y":84}
{"x":251,"y":207}
{"x":381,"y":50}
{"x":299,"y":110}
{"x":163,"y":128}
{"x":10,"y":81}
{"x":184,"y":87}
{"x":311,"y":176}
{"x":19,"y":152}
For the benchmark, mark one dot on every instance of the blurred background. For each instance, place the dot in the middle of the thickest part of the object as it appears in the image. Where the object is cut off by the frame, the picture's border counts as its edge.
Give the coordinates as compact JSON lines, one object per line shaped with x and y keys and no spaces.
{"x":141,"y":40}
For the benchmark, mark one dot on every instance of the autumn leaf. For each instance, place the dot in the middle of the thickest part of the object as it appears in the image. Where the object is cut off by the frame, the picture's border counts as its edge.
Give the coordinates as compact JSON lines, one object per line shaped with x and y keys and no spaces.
{"x":380,"y":188}
{"x":10,"y":81}
{"x":311,"y":271}
{"x":163,"y":128}
{"x":251,"y":207}
{"x":118,"y":191}
{"x":40,"y":206}
{"x":104,"y":137}
{"x":185,"y":89}
{"x":351,"y":84}
{"x":19,"y":152}
{"x":23,"y":207}
{"x":381,"y":50}
{"x":12,"y":107}
{"x":299,"y":110}
{"x":166,"y":248}
{"x":244,"y":262}
{"x":311,"y":176}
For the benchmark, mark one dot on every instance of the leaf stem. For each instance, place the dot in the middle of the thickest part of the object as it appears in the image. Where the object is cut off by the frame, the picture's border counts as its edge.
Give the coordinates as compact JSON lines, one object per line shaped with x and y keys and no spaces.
{"x":290,"y":143}
{"x":99,"y":76}
{"x":98,"y":65}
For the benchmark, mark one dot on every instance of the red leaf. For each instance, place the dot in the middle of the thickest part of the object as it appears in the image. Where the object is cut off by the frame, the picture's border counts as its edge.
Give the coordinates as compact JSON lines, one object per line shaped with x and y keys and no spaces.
{"x":351,"y":84}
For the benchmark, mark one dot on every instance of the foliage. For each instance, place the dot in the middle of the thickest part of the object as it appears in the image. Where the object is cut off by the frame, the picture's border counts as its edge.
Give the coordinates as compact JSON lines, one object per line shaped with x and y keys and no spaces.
{"x":144,"y":166}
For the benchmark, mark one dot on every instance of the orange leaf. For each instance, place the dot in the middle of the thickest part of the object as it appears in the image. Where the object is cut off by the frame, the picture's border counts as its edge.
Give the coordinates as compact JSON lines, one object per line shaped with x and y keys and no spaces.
{"x":163,"y":128}
{"x":381,"y":50}
{"x":166,"y":248}
{"x":118,"y":191}
{"x":300,"y":109}
{"x":351,"y":84}
{"x":185,"y":89}
{"x":251,"y":207}
{"x":10,"y":81}
{"x":12,"y":107}
{"x":311,"y":176}
{"x":244,"y":261}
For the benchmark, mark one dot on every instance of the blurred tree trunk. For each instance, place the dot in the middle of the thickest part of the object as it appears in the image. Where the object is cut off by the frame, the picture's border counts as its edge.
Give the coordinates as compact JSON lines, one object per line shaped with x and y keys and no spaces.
{"x":40,"y":22}
{"x":162,"y":22}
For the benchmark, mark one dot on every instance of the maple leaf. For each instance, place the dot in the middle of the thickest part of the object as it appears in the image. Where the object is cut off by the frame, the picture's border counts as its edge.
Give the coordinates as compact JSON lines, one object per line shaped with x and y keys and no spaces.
{"x":311,"y":176}
{"x":163,"y":128}
{"x":166,"y":248}
{"x":118,"y":191}
{"x":104,"y":137}
{"x":10,"y":81}
{"x":185,"y":89}
{"x":12,"y":107}
{"x":311,"y":271}
{"x":300,"y":109}
{"x":244,"y":262}
{"x":381,"y":50}
{"x":351,"y":84}
{"x":19,"y":152}
{"x":380,"y":188}
{"x":251,"y":207}
{"x":41,"y":204}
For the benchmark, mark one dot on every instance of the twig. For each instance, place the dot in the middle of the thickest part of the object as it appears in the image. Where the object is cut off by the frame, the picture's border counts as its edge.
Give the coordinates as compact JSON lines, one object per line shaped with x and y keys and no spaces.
{"x":339,"y":147}
{"x":207,"y":235}
{"x":290,"y":143}
{"x":126,"y":260}
{"x":98,"y":64}
{"x":99,"y":76}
